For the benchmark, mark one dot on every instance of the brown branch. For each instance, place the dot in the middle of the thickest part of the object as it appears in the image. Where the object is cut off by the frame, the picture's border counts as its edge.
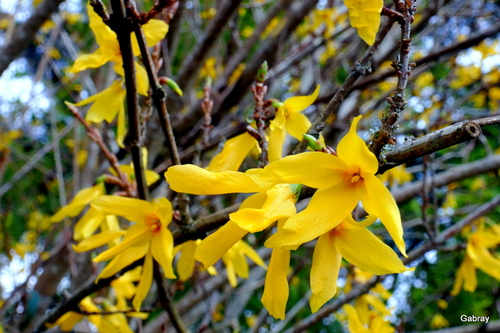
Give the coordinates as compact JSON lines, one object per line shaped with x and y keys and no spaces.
{"x":361,"y":67}
{"x":159,"y":100}
{"x":156,"y":10}
{"x":26,"y":32}
{"x":121,"y":25}
{"x":397,"y":101}
{"x":444,"y":138}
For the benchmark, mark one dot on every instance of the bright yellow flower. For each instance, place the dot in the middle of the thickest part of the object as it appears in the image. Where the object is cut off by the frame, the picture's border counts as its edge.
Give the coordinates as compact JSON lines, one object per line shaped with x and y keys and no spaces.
{"x":359,"y":247}
{"x":438,"y":321}
{"x":236,"y":263}
{"x":81,"y":199}
{"x":342,"y":181}
{"x":365,"y":17}
{"x":125,"y":288}
{"x":289,"y":120}
{"x":397,"y":175}
{"x":149,"y":238}
{"x":478,"y":256}
{"x":186,"y":262}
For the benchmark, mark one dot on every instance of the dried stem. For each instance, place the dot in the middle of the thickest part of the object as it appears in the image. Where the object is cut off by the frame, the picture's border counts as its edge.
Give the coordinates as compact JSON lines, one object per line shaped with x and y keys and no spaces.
{"x":95,"y":136}
{"x":259,"y":90}
{"x":207,"y":106}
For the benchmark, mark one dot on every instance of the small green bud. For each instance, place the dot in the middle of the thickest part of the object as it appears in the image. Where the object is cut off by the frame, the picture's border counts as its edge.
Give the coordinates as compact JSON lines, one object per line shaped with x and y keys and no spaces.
{"x":174,"y":86}
{"x":312,"y":142}
{"x":101,"y":179}
{"x":262,"y":72}
{"x":208,"y":82}
{"x":276,"y":104}
{"x":295,"y":188}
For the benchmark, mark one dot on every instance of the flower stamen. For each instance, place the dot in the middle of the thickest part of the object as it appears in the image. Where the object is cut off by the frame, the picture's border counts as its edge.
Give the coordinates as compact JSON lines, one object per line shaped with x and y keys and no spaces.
{"x":153,"y":222}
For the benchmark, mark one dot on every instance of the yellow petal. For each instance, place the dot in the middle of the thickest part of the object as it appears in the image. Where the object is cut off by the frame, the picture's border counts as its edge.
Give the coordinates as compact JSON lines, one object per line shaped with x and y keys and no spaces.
{"x":355,"y":324}
{"x":483,"y":260}
{"x":277,"y":138}
{"x":239,"y":262}
{"x":314,"y":169}
{"x":251,"y":253}
{"x":154,"y":31}
{"x":212,"y":248}
{"x":466,"y":275}
{"x":324,"y":271}
{"x":163,"y":209}
{"x":185,"y":264}
{"x":67,"y":321}
{"x":363,"y":249}
{"x":297,"y":125}
{"x":151,"y":177}
{"x":365,"y":16}
{"x":93,"y":60}
{"x":81,"y":199}
{"x":98,"y":240}
{"x":86,"y":226}
{"x":300,"y":103}
{"x":142,"y":79}
{"x":107,"y":103}
{"x":125,"y":258}
{"x":144,"y":283}
{"x":275,"y":293}
{"x":328,"y":207}
{"x":231,"y":275}
{"x":103,"y":34}
{"x":162,"y":246}
{"x":279,"y":120}
{"x":354,"y":152}
{"x":121,"y":127}
{"x":378,"y":201}
{"x":136,"y":235}
{"x":195,"y":180}
{"x":134,"y":210}
{"x":280,"y":203}
{"x":232,"y":155}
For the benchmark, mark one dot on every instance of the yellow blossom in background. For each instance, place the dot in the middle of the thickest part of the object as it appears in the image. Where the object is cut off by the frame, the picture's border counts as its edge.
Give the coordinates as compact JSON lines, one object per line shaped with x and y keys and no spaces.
{"x":186,"y":262}
{"x":149,"y":237}
{"x":235,"y":260}
{"x":81,"y":199}
{"x":365,"y":17}
{"x":477,"y":255}
{"x":442,"y":304}
{"x":465,"y":75}
{"x":124,"y":287}
{"x":289,"y":120}
{"x":209,"y":68}
{"x":236,"y":74}
{"x":397,"y":175}
{"x":342,"y":181}
{"x":438,"y":321}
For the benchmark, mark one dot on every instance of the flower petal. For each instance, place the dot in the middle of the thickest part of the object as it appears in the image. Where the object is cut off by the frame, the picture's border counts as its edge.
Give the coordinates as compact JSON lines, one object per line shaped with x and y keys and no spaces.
{"x":98,"y":240}
{"x":154,"y":31}
{"x":232,"y":155}
{"x":107,"y":103}
{"x":92,"y":60}
{"x":120,"y":126}
{"x":142,"y":79}
{"x":365,"y":17}
{"x":163,"y":208}
{"x":275,"y":293}
{"x":212,"y":248}
{"x":134,"y":210}
{"x":195,"y":180}
{"x":280,"y":203}
{"x":279,"y":120}
{"x":328,"y":207}
{"x":144,"y":283}
{"x":355,"y":324}
{"x":297,"y":125}
{"x":363,"y":249}
{"x":300,"y":103}
{"x":239,"y":262}
{"x":483,"y":260}
{"x":185,"y":264}
{"x":378,"y":201}
{"x":324,"y":271}
{"x":125,"y":258}
{"x":88,"y":224}
{"x":162,"y":246}
{"x":81,"y":199}
{"x":251,"y":253}
{"x":277,"y":138}
{"x":466,"y":275}
{"x":354,"y":152}
{"x":313,"y":169}
{"x":136,"y":235}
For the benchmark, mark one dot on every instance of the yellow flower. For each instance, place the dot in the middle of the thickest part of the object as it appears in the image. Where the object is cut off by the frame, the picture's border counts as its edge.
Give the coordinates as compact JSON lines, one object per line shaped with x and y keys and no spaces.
{"x":478,"y":256}
{"x":289,"y":120}
{"x":359,"y":247}
{"x":397,"y":175}
{"x":124,"y":287}
{"x":342,"y":181}
{"x":149,"y":238}
{"x":236,"y":261}
{"x":438,"y":321}
{"x":234,"y":152}
{"x":365,"y":17}
{"x":81,"y":199}
{"x":186,"y":262}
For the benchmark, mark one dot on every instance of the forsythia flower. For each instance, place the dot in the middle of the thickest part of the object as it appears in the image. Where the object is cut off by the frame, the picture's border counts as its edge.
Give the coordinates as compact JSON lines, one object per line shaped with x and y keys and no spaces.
{"x":186,"y":262}
{"x":81,"y":199}
{"x":478,"y":256}
{"x":236,"y":262}
{"x":438,"y":321}
{"x":365,"y":17}
{"x":149,"y":238}
{"x":375,"y":322}
{"x":289,"y":119}
{"x":342,"y":181}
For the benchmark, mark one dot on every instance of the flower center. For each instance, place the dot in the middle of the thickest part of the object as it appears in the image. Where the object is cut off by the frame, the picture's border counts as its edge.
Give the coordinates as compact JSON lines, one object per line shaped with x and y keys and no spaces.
{"x":355,"y":178}
{"x":153,"y":222}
